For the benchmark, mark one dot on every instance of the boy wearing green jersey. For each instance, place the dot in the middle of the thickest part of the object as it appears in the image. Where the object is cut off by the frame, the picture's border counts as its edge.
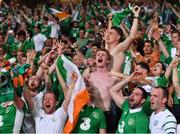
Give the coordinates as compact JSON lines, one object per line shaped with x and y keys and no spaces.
{"x":12,"y":110}
{"x":133,"y":119}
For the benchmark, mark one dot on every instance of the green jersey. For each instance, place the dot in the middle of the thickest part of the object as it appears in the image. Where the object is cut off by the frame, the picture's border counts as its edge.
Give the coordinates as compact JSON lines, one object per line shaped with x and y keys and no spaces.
{"x":132,"y":120}
{"x":161,"y":81}
{"x":46,"y":30}
{"x":10,"y":118}
{"x":91,"y":119}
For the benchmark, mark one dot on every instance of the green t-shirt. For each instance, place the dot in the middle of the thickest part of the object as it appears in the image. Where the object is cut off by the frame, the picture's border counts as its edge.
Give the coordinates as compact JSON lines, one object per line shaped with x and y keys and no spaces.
{"x":91,"y":119}
{"x":74,"y":32}
{"x":161,"y":81}
{"x":46,"y":30}
{"x":82,"y":42}
{"x":28,"y":44}
{"x":132,"y":120}
{"x":10,"y":119}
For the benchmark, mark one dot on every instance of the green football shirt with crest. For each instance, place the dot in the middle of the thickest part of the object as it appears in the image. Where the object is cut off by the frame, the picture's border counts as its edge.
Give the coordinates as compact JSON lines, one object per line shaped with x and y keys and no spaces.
{"x":132,"y":120}
{"x":10,"y":118}
{"x":91,"y":119}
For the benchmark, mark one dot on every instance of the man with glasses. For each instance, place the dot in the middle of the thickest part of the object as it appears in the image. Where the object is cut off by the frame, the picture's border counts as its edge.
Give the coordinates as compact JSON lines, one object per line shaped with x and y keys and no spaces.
{"x":133,"y":119}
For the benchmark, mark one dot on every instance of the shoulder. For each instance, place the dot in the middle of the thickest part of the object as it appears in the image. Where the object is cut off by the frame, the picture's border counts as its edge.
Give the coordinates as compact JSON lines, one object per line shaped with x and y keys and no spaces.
{"x":169,"y":115}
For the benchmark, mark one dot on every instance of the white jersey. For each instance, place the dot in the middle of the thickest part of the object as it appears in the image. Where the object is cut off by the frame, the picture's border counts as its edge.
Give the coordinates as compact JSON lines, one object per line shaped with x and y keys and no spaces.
{"x":49,"y":123}
{"x":163,"y":122}
{"x":39,"y":40}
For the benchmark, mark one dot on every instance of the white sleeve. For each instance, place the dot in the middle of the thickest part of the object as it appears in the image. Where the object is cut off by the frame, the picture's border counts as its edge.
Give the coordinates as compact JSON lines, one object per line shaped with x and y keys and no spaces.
{"x":43,"y":37}
{"x":61,"y":113}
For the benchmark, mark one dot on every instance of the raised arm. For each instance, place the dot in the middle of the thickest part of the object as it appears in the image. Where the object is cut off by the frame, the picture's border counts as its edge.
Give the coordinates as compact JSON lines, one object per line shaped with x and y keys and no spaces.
{"x":65,"y":104}
{"x":157,"y":37}
{"x":123,"y":46}
{"x":124,"y":30}
{"x":116,"y":90}
{"x":31,"y":55}
{"x":170,"y":68}
{"x":28,"y":99}
{"x":45,"y":69}
{"x":110,"y":21}
{"x":108,"y":4}
{"x":174,"y":10}
{"x":176,"y":78}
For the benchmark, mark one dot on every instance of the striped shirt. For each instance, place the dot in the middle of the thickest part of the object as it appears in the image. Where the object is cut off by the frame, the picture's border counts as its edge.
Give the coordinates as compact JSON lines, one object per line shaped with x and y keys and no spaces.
{"x":162,"y":123}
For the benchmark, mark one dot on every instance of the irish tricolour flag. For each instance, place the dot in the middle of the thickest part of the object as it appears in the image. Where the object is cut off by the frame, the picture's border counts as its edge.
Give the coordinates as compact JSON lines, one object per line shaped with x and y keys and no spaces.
{"x":80,"y":96}
{"x":58,"y":14}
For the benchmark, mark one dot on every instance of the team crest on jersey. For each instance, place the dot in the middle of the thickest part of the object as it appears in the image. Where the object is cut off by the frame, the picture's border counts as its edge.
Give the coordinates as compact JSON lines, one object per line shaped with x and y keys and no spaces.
{"x":156,"y":122}
{"x":53,"y":119}
{"x":131,"y":121}
{"x":95,"y":115}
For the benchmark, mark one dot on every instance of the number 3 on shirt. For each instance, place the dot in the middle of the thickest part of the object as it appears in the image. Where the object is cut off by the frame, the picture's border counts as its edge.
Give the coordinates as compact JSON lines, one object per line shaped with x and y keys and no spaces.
{"x":1,"y":121}
{"x":121,"y":127}
{"x":86,"y":124}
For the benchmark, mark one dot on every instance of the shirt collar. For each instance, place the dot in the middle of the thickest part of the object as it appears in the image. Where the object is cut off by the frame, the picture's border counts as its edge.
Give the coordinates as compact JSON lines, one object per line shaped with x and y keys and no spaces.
{"x":135,"y":110}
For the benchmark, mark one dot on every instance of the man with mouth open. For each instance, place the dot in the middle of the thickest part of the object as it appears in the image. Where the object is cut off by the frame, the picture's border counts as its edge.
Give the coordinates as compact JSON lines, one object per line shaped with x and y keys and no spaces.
{"x":133,"y":119}
{"x":47,"y":118}
{"x":162,"y":121}
{"x":103,"y":81}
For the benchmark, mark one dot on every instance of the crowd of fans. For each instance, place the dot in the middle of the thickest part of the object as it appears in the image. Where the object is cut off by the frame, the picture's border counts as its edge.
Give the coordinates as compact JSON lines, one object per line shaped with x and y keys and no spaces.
{"x":127,"y":53}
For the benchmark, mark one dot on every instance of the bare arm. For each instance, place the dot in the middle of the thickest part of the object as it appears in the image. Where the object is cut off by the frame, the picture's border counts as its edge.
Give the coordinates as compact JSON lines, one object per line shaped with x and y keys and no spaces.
{"x":42,"y":58}
{"x":30,"y":58}
{"x":28,"y":19}
{"x":110,"y":21}
{"x":157,"y":37}
{"x":170,"y":101}
{"x":108,"y":4}
{"x":116,"y":90}
{"x":102,"y":131}
{"x":124,"y":29}
{"x":125,"y":44}
{"x":176,"y":78}
{"x":45,"y":69}
{"x":163,"y":48}
{"x":28,"y":99}
{"x":174,"y":10}
{"x":52,"y":68}
{"x":69,"y":92}
{"x":169,"y":69}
